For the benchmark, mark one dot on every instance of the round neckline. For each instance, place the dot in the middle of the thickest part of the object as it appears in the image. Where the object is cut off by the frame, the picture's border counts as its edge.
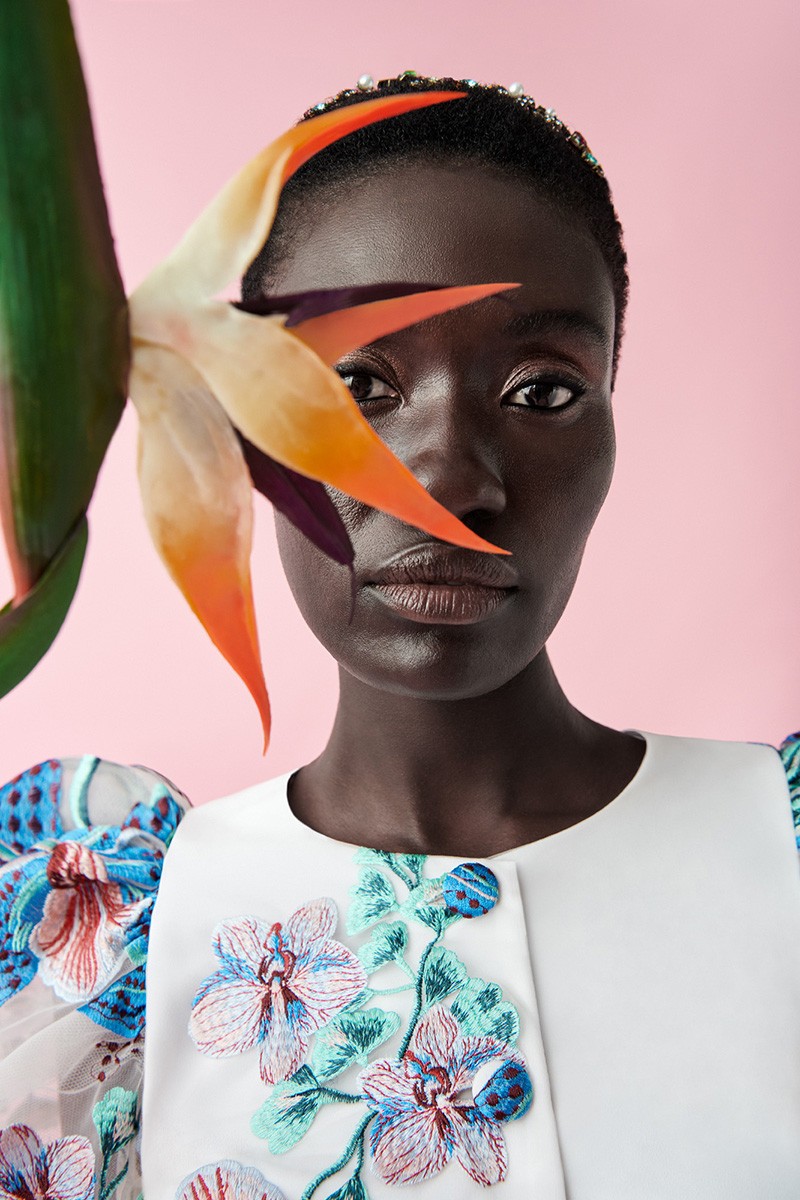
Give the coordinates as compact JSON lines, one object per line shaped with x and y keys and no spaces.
{"x":633,"y":784}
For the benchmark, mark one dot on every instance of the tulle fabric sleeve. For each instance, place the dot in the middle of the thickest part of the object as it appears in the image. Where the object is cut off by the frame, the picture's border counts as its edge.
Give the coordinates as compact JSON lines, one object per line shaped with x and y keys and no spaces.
{"x":82,"y":842}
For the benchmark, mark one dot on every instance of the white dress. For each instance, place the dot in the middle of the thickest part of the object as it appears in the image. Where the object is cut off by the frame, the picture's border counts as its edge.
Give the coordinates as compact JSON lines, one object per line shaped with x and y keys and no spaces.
{"x":608,"y":1013}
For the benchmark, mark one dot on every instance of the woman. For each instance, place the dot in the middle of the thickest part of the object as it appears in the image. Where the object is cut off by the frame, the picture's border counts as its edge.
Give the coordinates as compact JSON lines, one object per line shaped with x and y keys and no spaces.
{"x":481,"y":940}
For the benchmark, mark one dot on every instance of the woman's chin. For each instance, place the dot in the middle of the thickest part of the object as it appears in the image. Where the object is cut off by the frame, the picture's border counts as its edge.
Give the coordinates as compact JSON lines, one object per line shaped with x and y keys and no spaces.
{"x":427,"y":661}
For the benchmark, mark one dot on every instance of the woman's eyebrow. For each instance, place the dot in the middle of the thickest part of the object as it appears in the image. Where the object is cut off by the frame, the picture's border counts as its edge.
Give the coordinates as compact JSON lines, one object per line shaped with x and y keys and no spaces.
{"x":556,"y":320}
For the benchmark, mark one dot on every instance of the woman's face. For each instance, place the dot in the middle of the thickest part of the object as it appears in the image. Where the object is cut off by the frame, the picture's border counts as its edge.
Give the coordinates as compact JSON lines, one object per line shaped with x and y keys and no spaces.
{"x":460,"y":399}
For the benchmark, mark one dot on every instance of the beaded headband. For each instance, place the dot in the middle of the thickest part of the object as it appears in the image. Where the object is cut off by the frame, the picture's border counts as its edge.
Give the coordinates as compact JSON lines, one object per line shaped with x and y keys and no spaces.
{"x":516,"y":90}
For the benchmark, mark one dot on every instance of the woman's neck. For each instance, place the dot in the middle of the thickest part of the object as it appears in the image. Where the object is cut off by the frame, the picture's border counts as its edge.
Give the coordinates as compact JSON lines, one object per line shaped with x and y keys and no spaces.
{"x":472,"y":776}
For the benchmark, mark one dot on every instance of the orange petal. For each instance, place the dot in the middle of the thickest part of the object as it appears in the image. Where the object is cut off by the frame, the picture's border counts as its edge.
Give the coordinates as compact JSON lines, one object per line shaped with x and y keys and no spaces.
{"x":337,"y":332}
{"x":198,"y":505}
{"x":291,"y":406}
{"x":230,"y":232}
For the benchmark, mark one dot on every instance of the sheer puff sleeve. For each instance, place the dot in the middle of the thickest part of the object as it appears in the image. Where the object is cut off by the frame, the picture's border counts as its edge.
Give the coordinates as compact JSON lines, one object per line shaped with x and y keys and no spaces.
{"x":82,"y":843}
{"x":789,"y":751}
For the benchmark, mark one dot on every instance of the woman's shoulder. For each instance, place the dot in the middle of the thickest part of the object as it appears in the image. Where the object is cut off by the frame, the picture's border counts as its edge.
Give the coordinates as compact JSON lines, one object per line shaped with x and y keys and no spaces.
{"x":749,"y":784}
{"x":704,"y":756}
{"x":238,"y":814}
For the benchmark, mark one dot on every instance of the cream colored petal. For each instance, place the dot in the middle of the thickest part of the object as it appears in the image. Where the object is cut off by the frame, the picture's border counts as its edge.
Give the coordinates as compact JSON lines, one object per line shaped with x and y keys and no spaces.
{"x":230,"y":232}
{"x":197,"y":500}
{"x":283,"y":398}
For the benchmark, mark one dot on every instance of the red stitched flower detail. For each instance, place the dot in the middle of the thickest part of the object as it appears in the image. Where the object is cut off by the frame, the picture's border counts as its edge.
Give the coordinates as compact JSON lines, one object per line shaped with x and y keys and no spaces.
{"x":227,"y":1180}
{"x":81,"y":938}
{"x":277,"y":985}
{"x":423,"y":1117}
{"x":62,"y":1170}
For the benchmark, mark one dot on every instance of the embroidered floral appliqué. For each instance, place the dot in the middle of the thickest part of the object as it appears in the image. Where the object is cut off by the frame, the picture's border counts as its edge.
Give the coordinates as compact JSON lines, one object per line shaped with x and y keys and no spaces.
{"x":227,"y":1180}
{"x":61,"y":1170}
{"x":75,"y":906}
{"x":308,"y":1002}
{"x":422,"y":1114}
{"x":82,"y":936}
{"x":65,"y":1169}
{"x":276,"y":985}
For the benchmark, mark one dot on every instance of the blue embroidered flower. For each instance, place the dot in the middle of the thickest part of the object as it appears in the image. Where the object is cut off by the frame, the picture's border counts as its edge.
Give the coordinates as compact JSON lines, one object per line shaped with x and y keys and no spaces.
{"x":277,"y":984}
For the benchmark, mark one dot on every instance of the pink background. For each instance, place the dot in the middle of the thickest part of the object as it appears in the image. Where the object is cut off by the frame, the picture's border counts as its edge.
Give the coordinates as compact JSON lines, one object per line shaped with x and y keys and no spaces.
{"x":685,"y":616}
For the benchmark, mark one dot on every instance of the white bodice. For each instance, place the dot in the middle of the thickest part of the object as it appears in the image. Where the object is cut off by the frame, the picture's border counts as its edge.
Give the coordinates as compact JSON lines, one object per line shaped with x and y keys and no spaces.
{"x":651,"y":952}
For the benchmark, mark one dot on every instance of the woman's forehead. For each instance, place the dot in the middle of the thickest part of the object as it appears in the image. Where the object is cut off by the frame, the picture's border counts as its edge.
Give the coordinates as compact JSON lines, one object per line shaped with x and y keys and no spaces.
{"x":446,"y":225}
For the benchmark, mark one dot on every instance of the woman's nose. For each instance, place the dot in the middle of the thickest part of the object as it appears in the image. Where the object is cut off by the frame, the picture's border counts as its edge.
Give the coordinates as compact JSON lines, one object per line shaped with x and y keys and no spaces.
{"x":449,"y":446}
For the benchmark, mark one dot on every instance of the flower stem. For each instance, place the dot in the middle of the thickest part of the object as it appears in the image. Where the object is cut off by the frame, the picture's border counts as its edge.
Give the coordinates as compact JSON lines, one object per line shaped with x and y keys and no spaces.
{"x":418,"y":1004}
{"x":356,"y":1144}
{"x":106,"y":1189}
{"x":404,"y":987}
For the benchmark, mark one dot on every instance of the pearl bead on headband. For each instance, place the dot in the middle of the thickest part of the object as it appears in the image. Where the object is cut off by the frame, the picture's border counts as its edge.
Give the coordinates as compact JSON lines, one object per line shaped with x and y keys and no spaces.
{"x":517,"y":92}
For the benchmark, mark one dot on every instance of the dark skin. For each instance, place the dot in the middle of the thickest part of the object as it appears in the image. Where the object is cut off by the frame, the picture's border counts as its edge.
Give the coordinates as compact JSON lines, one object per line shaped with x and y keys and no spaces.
{"x":458,"y":739}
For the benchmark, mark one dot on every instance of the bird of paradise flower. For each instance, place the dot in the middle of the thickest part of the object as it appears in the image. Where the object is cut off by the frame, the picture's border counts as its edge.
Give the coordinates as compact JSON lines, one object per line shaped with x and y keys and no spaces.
{"x":226,"y":397}
{"x":203,"y":369}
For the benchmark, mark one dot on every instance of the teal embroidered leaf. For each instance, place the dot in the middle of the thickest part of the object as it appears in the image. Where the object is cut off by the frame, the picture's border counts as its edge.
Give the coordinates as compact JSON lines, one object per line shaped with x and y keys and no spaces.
{"x":351,"y":1038}
{"x":352,"y":1190}
{"x":115,"y":1119}
{"x":137,"y":950}
{"x":407,"y":867}
{"x":387,"y":944}
{"x":287,"y":1114}
{"x":444,"y":973}
{"x":480,"y":1010}
{"x":425,"y":903}
{"x":26,"y":909}
{"x":372,"y":897}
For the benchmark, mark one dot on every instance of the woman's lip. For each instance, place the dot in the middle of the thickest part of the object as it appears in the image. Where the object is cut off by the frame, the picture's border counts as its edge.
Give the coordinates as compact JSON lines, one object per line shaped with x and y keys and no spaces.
{"x":442,"y":603}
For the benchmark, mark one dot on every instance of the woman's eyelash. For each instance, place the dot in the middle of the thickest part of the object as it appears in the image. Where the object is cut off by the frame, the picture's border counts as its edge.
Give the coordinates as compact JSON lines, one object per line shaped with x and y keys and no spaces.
{"x":547,"y":394}
{"x":361,"y":383}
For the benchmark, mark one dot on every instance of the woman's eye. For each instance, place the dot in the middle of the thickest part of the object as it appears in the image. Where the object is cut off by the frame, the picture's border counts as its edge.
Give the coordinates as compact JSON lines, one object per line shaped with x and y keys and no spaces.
{"x":368,"y":387}
{"x":545,"y":393}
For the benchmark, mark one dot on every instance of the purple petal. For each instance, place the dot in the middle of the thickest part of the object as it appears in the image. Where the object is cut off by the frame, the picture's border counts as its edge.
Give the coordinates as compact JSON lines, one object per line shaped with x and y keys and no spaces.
{"x":302,"y":306}
{"x":304,"y":501}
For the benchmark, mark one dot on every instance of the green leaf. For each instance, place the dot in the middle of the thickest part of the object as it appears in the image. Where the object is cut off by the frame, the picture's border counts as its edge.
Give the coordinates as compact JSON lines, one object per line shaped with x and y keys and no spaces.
{"x":481,"y":1011}
{"x":372,"y":897}
{"x":64,"y":342}
{"x":407,"y":867}
{"x":137,"y":949}
{"x":286,"y":1116}
{"x":425,"y":903}
{"x":352,"y":1190}
{"x":351,"y":1038}
{"x":116,"y":1119}
{"x":387,"y":944}
{"x":444,"y":973}
{"x":27,"y":631}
